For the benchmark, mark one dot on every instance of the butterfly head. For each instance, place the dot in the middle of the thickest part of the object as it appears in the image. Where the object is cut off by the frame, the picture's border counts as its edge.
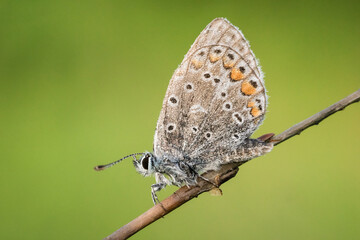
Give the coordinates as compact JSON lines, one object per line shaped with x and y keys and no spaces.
{"x":146,"y":165}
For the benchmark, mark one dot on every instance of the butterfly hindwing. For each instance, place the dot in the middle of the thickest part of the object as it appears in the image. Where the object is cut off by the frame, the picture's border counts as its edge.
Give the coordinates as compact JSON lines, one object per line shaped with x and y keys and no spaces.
{"x":215,"y":99}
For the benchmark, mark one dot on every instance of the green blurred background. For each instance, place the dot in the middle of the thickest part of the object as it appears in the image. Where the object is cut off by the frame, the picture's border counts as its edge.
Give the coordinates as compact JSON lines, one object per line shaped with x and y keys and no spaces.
{"x":82,"y":84}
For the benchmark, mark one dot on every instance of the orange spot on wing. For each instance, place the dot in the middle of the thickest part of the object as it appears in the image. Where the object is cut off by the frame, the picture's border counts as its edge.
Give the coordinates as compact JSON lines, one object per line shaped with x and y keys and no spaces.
{"x":213,"y":58}
{"x":251,"y":104}
{"x":197,"y":64}
{"x":247,"y":88}
{"x":236,"y":74}
{"x":255,"y":111}
{"x":229,"y":64}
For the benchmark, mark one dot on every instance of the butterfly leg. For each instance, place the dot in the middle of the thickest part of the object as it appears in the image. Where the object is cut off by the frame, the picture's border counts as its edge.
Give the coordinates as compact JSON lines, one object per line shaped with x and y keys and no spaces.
{"x":155,"y":188}
{"x":161,"y":183}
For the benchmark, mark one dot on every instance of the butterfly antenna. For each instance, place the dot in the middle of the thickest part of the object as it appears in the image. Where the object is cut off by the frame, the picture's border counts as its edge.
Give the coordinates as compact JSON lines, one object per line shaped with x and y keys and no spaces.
{"x":102,"y":167}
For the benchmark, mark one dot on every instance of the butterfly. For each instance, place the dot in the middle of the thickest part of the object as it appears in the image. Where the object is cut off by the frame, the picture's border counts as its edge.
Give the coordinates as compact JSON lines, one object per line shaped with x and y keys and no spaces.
{"x":215,"y":100}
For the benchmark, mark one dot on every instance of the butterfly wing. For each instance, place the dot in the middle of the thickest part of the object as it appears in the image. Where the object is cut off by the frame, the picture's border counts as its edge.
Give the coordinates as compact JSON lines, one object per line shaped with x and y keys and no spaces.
{"x":215,"y":100}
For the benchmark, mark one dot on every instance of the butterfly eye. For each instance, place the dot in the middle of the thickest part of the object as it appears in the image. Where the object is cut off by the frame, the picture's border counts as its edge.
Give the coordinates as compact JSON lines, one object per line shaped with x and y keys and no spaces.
{"x":145,"y":162}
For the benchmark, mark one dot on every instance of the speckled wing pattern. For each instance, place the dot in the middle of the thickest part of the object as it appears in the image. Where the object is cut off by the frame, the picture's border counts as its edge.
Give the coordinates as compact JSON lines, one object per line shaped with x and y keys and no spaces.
{"x":215,"y":100}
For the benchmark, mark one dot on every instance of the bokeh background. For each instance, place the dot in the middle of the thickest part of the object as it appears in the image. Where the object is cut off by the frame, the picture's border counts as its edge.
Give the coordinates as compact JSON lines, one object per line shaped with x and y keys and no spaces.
{"x":82,"y":83}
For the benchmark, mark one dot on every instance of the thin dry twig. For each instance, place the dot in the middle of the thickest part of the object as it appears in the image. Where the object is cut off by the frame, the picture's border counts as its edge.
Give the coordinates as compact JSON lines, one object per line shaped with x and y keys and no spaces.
{"x":317,"y":118}
{"x":219,"y":177}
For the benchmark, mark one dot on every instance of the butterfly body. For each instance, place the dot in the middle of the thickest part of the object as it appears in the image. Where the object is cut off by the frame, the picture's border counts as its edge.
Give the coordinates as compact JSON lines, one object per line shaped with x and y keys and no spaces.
{"x":215,"y":100}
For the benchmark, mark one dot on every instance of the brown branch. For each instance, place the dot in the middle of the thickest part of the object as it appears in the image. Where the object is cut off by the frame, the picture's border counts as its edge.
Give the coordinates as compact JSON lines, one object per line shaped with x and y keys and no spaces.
{"x":227,"y":172}
{"x":317,"y":118}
